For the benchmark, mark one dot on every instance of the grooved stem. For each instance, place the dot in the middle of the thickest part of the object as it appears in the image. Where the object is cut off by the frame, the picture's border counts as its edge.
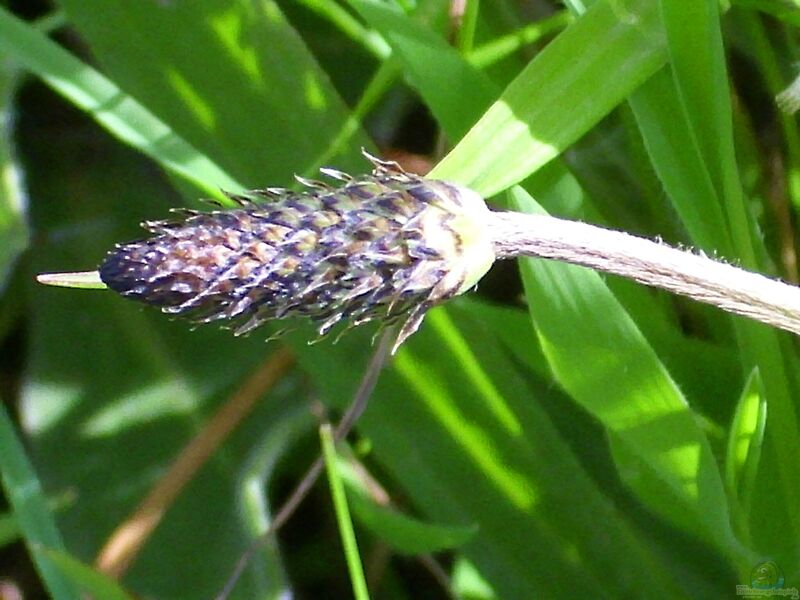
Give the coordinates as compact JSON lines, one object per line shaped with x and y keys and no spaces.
{"x":725,"y":286}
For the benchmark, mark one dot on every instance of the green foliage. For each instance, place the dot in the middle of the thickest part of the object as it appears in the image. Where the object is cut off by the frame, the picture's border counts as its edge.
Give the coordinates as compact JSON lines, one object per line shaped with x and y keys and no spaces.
{"x":346,"y":530}
{"x":30,"y":508}
{"x":93,"y":583}
{"x":590,"y":437}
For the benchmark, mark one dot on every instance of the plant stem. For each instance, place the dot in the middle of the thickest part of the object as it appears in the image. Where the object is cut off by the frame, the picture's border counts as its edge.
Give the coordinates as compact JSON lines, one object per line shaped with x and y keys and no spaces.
{"x":652,"y":263}
{"x":346,"y":530}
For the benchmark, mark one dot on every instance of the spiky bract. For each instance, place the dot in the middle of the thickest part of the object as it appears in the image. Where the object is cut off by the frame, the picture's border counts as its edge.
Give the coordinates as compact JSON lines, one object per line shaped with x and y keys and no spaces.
{"x":386,"y":246}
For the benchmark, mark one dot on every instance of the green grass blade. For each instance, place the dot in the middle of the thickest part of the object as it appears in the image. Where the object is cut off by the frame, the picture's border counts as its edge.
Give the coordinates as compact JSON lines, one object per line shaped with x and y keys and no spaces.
{"x":406,"y":535}
{"x":9,"y":532}
{"x":90,"y":581}
{"x":785,"y":11}
{"x":232,"y":77}
{"x":696,"y":54}
{"x":639,"y":402}
{"x":402,"y":533}
{"x":745,"y":442}
{"x":679,"y":164}
{"x":346,"y":531}
{"x":769,"y":58}
{"x":350,"y":26}
{"x":701,"y":79}
{"x":512,"y":140}
{"x":465,"y":36}
{"x":497,"y":49}
{"x":457,"y":101}
{"x":13,"y":230}
{"x":560,"y":95}
{"x":117,"y":112}
{"x":34,"y":520}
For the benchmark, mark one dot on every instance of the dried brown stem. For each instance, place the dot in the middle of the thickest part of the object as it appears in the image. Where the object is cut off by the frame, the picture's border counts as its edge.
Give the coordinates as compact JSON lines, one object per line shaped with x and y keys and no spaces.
{"x":124,"y":544}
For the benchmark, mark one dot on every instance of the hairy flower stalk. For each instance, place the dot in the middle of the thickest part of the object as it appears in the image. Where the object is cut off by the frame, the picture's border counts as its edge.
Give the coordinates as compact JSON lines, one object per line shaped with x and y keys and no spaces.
{"x":695,"y":276}
{"x":387,"y":247}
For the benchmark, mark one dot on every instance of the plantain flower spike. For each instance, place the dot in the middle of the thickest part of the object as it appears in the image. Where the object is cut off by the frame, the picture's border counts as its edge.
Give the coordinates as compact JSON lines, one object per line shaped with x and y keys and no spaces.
{"x":386,"y":246}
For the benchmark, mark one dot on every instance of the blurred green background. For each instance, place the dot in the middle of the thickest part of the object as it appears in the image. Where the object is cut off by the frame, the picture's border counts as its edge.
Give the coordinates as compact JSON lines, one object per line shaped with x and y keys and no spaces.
{"x":554,"y":434}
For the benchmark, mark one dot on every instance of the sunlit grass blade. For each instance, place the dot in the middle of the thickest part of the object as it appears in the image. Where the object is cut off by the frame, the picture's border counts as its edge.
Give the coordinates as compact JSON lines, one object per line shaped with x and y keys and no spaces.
{"x":700,"y":75}
{"x":495,"y":50}
{"x":118,"y":113}
{"x":745,"y":442}
{"x":343,"y":20}
{"x":560,"y":95}
{"x":639,"y":403}
{"x":233,"y":77}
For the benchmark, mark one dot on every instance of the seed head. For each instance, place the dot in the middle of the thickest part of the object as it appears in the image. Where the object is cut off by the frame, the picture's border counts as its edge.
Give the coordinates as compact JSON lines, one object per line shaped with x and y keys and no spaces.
{"x":385,"y":246}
